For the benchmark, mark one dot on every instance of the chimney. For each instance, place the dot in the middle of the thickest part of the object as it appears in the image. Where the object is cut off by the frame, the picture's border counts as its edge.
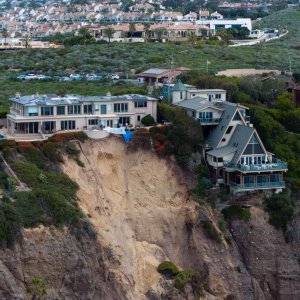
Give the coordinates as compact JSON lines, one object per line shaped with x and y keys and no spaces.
{"x":108,"y":94}
{"x":18,"y":95}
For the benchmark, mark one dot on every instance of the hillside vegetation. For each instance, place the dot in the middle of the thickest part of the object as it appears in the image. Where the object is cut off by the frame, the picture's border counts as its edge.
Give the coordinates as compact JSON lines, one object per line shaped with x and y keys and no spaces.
{"x":128,"y":58}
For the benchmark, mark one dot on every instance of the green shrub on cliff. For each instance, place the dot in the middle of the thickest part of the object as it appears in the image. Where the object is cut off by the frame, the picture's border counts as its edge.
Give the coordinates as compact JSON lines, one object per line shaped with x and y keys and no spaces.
{"x":168,"y":269}
{"x":10,"y":223}
{"x":280,"y":209}
{"x":236,"y":212}
{"x":185,"y":277}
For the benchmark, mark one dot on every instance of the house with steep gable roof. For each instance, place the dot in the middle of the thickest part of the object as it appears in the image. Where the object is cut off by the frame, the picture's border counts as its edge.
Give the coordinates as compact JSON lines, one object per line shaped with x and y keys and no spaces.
{"x":233,"y":150}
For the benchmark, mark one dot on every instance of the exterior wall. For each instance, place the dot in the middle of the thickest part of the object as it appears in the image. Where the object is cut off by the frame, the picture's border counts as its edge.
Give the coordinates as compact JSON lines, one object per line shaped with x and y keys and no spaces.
{"x":82,"y":120}
{"x":178,"y":96}
{"x":205,"y":94}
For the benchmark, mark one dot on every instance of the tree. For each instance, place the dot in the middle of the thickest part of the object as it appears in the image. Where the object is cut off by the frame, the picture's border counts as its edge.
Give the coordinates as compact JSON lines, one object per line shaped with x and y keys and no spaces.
{"x":4,"y":33}
{"x":132,"y":29}
{"x":37,"y":287}
{"x":225,"y":35}
{"x":84,"y":32}
{"x":159,"y":32}
{"x":147,"y":31}
{"x":27,"y":40}
{"x":148,"y":120}
{"x":109,"y":32}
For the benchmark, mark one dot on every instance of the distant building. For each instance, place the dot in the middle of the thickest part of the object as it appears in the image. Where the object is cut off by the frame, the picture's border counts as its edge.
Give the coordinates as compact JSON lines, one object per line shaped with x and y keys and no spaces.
{"x":233,"y":149}
{"x":48,"y":114}
{"x":159,"y":76}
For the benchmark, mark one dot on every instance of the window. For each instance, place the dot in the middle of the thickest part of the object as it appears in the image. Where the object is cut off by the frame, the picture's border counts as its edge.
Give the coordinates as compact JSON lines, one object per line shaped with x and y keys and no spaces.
{"x":47,"y":111}
{"x":138,"y":118}
{"x":193,"y":114}
{"x":67,"y":125}
{"x":181,"y":95}
{"x":33,"y":111}
{"x":103,"y":109}
{"x":124,"y":121}
{"x":254,"y":146}
{"x":121,"y":107}
{"x":60,"y":110}
{"x":88,"y":109}
{"x":74,"y":110}
{"x":237,"y":117}
{"x":223,"y":140}
{"x":93,"y":121}
{"x":220,"y":159}
{"x":229,"y":129}
{"x":218,"y":96}
{"x":139,"y":104}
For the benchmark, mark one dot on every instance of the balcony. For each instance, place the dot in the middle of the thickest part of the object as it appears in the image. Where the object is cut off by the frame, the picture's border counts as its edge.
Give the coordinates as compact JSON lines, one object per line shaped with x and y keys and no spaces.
{"x":257,"y":186}
{"x":208,"y":121}
{"x":277,"y":165}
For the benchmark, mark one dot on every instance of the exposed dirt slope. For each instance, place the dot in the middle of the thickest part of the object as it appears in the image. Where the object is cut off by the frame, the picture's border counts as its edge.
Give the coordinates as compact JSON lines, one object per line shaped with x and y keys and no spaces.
{"x":143,"y":213}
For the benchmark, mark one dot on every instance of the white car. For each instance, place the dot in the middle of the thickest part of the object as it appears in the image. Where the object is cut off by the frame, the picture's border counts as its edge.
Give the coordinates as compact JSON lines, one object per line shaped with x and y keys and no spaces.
{"x":114,"y":77}
{"x":91,"y":77}
{"x":75,"y":77}
{"x":40,"y":76}
{"x":30,"y":76}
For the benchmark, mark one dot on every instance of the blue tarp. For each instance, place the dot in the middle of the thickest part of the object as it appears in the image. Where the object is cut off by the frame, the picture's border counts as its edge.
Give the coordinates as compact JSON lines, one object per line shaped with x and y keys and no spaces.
{"x":127,"y":136}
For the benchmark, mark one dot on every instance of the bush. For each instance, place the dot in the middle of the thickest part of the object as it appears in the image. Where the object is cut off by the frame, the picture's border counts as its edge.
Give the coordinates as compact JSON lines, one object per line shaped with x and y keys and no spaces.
{"x":236,"y":212}
{"x":280,"y":209}
{"x":210,"y":230}
{"x":10,"y":224}
{"x":168,"y":269}
{"x":185,"y":277}
{"x":37,"y":287}
{"x":148,"y":120}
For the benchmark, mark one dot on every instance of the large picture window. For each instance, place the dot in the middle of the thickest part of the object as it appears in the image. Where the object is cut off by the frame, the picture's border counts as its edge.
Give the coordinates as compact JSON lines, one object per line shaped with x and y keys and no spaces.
{"x":47,"y":111}
{"x":67,"y":125}
{"x":74,"y":110}
{"x":139,"y":104}
{"x":121,"y":107}
{"x":88,"y":109}
{"x":60,"y":110}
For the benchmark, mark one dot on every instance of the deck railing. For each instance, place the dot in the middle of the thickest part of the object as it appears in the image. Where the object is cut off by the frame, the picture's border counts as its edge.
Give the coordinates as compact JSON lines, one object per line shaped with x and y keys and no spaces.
{"x":258,"y":185}
{"x":276,"y":165}
{"x":208,"y":120}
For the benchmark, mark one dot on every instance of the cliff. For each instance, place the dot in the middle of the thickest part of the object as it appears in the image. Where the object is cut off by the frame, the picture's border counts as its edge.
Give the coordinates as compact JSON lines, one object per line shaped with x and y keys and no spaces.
{"x":143,"y":214}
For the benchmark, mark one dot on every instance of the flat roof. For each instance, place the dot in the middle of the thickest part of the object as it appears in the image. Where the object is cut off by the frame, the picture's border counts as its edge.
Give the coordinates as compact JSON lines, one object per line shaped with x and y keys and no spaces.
{"x":52,"y":99}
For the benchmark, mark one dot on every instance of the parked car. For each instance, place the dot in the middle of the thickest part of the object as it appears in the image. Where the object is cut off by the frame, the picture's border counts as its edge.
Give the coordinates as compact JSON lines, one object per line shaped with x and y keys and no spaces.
{"x":30,"y":76}
{"x":75,"y":77}
{"x":91,"y":77}
{"x":21,"y":77}
{"x":65,"y":78}
{"x":114,"y":76}
{"x":41,"y":76}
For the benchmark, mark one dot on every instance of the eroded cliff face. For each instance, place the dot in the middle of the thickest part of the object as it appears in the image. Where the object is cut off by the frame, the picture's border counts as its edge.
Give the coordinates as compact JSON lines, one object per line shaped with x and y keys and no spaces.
{"x":143,"y":213}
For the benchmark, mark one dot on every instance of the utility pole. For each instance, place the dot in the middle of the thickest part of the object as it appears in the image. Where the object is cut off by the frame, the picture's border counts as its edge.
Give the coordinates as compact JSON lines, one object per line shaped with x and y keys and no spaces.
{"x":290,"y":66}
{"x":169,"y":79}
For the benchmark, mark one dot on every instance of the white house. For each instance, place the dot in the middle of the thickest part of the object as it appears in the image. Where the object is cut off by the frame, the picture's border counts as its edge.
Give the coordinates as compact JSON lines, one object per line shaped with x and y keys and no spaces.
{"x":48,"y":114}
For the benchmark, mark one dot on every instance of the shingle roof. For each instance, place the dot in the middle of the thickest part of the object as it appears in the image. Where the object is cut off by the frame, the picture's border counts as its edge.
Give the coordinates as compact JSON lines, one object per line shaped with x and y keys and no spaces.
{"x":217,"y":134}
{"x":179,"y":86}
{"x":220,"y":152}
{"x":240,"y":139}
{"x":194,"y":104}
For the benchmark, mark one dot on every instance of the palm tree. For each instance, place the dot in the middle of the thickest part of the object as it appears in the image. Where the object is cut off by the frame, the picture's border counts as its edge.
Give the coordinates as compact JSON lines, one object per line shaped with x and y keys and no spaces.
{"x":109,"y":32}
{"x":160,"y":32}
{"x":146,"y":28}
{"x":132,"y":29}
{"x":26,"y":40}
{"x":4,"y":33}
